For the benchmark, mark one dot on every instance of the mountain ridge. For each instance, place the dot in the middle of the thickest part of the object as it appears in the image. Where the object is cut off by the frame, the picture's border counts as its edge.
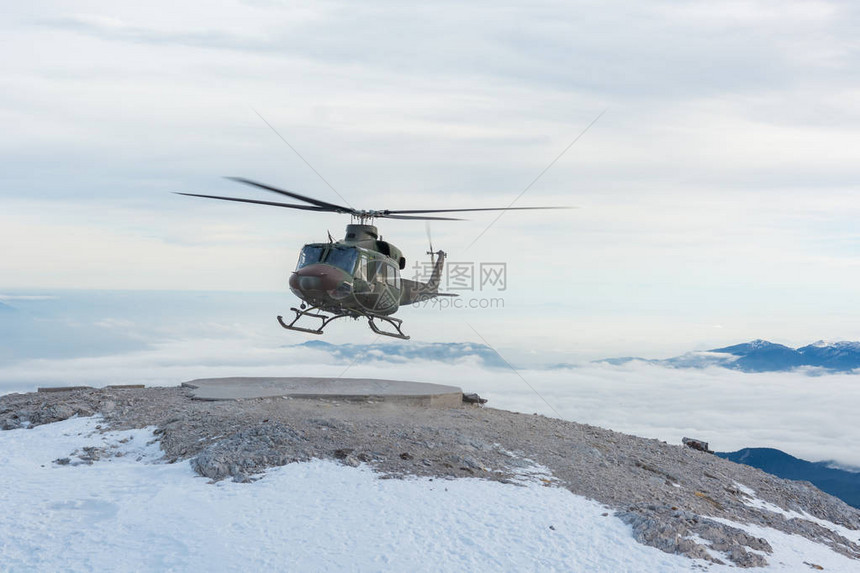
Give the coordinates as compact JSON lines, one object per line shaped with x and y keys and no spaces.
{"x":753,"y":356}
{"x":764,"y":356}
{"x":396,"y":352}
{"x":840,"y":483}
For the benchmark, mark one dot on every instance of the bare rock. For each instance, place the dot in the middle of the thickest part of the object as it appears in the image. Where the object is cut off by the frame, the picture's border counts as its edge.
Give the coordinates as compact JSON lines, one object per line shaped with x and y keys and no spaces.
{"x":250,"y":452}
{"x":473,"y":399}
{"x":674,"y":531}
{"x":696,"y":445}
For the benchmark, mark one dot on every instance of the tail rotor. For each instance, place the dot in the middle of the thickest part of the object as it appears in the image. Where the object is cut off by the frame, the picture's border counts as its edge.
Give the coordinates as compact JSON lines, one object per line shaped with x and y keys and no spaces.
{"x":431,"y":252}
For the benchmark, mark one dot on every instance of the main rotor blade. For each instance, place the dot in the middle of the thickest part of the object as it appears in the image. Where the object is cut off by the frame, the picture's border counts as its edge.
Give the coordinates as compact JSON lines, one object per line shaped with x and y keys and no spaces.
{"x":386,"y":215}
{"x":480,"y":209}
{"x":325,"y":206}
{"x":302,"y":207}
{"x":309,"y":207}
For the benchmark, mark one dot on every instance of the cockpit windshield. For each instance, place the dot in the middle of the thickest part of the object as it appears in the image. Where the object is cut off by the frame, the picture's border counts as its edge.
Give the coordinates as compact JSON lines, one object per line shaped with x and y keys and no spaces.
{"x":310,"y":254}
{"x":342,"y":257}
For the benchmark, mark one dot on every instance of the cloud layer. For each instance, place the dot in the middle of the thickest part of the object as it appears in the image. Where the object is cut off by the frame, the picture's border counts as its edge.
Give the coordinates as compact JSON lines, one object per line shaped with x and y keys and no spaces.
{"x":53,"y":338}
{"x":811,"y":418}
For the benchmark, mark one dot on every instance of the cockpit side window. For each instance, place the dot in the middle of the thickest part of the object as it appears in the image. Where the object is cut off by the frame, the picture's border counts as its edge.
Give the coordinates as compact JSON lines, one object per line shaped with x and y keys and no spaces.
{"x":361,"y":270}
{"x":393,"y":277}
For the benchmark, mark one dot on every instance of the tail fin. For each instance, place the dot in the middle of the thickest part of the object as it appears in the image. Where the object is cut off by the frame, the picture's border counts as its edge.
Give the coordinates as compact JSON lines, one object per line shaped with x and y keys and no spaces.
{"x":417,"y":291}
{"x":436,"y":275}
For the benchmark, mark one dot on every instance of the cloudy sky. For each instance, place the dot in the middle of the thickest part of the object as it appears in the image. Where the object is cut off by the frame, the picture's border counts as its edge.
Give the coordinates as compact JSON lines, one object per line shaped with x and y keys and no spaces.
{"x":717,"y":193}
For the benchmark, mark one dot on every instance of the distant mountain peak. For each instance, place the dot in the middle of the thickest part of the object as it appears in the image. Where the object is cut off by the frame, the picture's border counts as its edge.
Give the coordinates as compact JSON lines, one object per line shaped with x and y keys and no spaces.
{"x":753,"y":345}
{"x":322,"y":344}
{"x":836,"y":345}
{"x":765,"y":356}
{"x":446,"y":352}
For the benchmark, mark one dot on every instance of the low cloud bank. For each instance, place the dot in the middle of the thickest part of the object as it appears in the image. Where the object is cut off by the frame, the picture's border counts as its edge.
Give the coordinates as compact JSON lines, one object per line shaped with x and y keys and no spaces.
{"x":808,"y":417}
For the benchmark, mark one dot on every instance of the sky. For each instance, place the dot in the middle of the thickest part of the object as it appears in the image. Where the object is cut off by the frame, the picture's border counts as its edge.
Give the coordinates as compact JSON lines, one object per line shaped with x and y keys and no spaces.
{"x":716,"y":190}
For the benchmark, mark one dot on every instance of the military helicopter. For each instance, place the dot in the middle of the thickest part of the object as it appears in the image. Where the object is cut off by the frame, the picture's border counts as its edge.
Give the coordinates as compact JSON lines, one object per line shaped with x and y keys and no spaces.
{"x":358,"y":276}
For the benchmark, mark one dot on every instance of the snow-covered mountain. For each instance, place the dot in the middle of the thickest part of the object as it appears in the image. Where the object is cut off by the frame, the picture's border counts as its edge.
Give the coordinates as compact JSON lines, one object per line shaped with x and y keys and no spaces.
{"x":764,"y":356}
{"x":132,"y":512}
{"x":753,"y":356}
{"x":81,"y":496}
{"x":843,"y":355}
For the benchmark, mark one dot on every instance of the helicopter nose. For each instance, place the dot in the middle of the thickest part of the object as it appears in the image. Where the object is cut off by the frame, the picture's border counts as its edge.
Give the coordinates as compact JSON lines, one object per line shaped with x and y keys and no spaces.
{"x":315,"y":278}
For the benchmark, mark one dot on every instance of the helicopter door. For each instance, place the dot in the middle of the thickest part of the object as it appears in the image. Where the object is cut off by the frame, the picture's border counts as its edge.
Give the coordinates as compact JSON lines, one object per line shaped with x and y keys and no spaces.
{"x":387,"y":274}
{"x":383,"y":279}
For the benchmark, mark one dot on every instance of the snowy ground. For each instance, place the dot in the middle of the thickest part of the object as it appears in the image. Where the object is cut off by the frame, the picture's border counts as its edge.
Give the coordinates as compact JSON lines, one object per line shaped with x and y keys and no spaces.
{"x":131,"y":513}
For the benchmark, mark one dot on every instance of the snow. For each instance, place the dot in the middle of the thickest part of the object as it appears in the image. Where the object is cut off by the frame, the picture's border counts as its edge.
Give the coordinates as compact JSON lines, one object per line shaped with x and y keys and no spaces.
{"x":715,"y":554}
{"x":136,"y":513}
{"x":758,"y":503}
{"x":792,"y":553}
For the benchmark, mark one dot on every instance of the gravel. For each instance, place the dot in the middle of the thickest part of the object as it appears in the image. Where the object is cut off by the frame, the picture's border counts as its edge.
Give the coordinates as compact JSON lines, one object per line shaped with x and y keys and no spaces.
{"x":670,"y":495}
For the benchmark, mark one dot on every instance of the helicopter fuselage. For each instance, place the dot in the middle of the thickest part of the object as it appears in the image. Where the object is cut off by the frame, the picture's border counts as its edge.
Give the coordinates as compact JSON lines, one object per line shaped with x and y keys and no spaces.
{"x":360,"y":274}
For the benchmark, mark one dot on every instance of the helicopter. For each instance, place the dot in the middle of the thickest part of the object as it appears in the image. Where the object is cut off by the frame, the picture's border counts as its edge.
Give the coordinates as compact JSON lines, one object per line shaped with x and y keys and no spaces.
{"x":358,"y":276}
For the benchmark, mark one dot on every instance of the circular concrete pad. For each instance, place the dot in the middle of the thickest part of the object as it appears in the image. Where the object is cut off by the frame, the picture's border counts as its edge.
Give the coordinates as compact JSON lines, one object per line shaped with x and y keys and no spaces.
{"x":364,"y":389}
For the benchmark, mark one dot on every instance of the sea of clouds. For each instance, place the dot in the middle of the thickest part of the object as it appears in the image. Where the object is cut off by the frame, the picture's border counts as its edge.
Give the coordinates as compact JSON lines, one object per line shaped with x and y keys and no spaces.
{"x":811,"y":417}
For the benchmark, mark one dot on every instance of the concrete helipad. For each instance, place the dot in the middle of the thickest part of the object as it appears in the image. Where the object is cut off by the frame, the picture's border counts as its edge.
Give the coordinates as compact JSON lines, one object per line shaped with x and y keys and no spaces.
{"x":362,"y":389}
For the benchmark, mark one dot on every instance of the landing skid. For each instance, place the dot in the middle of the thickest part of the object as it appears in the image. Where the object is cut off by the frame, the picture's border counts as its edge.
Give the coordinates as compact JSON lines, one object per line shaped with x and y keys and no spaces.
{"x":395,"y":322}
{"x":314,"y":312}
{"x":309,"y":312}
